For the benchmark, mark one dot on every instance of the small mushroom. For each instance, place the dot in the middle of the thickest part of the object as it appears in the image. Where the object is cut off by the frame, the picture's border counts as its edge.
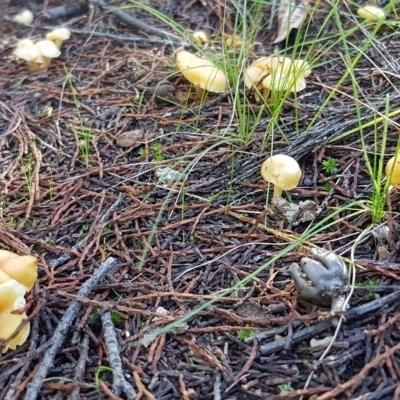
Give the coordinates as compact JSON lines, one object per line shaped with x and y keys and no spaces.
{"x":203,"y":74}
{"x":272,"y":63}
{"x":251,"y":79}
{"x":201,"y":38}
{"x":25,"y":17}
{"x":11,"y":299}
{"x":371,"y":13}
{"x":48,"y":50}
{"x":58,"y":36}
{"x":392,"y":171}
{"x":282,"y":74}
{"x":26,"y":50}
{"x":321,"y":282}
{"x":282,"y":171}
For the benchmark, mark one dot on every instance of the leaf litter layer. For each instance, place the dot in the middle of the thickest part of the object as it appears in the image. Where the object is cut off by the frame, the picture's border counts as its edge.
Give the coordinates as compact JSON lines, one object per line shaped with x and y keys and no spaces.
{"x":124,"y":253}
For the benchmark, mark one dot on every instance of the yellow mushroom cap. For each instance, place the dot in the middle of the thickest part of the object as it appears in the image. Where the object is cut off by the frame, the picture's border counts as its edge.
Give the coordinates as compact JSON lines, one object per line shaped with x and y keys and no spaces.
{"x":200,"y":72}
{"x":5,"y":254}
{"x":59,"y":34}
{"x":392,"y":171}
{"x":282,"y":171}
{"x":252,"y":77}
{"x":371,"y":13}
{"x":26,"y":50}
{"x":12,"y":298}
{"x":281,"y":82}
{"x":23,"y":269}
{"x":48,"y":49}
{"x":299,"y":68}
{"x":284,"y":65}
{"x":272,"y":63}
{"x":25,"y":17}
{"x":200,"y":37}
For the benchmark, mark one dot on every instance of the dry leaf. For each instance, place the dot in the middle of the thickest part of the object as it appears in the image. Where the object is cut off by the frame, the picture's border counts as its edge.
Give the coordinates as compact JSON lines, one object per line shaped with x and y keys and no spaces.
{"x":290,"y":16}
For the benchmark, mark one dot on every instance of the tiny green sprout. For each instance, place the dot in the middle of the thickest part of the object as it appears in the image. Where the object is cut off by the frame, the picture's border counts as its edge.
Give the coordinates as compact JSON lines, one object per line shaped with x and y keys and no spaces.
{"x":330,"y":165}
{"x":142,"y":152}
{"x":243,"y":334}
{"x":116,"y":318}
{"x":369,"y":282}
{"x":94,"y":312}
{"x":285,"y":387}
{"x":156,"y":148}
{"x":143,"y":320}
{"x":327,"y":187}
{"x":49,"y":239}
{"x":159,"y":158}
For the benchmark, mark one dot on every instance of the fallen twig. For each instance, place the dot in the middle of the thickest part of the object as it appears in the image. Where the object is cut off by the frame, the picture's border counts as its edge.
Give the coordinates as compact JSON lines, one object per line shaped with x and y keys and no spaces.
{"x":313,"y":330}
{"x":120,"y":384}
{"x":80,"y":368}
{"x":63,"y":328}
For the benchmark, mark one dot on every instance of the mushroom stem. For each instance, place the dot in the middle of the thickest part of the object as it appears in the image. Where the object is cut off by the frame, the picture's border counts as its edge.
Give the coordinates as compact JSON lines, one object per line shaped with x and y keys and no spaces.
{"x":46,"y":63}
{"x":199,"y":92}
{"x":265,"y":93}
{"x":34,"y":66}
{"x":58,"y":43}
{"x":277,"y":191}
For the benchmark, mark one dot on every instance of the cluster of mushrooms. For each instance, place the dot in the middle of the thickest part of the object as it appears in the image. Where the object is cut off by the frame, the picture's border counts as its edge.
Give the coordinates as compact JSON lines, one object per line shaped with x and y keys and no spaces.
{"x":265,"y":75}
{"x":39,"y":55}
{"x":18,"y":274}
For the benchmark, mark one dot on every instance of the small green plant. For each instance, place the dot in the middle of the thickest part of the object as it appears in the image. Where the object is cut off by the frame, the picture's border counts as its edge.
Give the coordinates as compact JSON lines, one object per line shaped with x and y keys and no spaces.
{"x":327,"y":187}
{"x":285,"y":387}
{"x":49,"y":239}
{"x":14,"y":222}
{"x":94,"y":312}
{"x":142,"y":152}
{"x":28,"y":170}
{"x":157,"y":149}
{"x":116,"y":318}
{"x":143,"y":320}
{"x":243,"y":334}
{"x":330,"y":165}
{"x":369,"y":282}
{"x":84,"y":229}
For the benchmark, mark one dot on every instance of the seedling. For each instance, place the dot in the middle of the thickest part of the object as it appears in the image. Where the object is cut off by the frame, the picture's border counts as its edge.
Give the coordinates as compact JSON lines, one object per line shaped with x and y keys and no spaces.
{"x":330,"y":165}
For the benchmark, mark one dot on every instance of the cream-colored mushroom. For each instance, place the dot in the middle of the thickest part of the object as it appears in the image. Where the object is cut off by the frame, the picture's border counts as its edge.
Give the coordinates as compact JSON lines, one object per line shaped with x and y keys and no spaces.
{"x":203,"y":74}
{"x":200,"y":38}
{"x":25,"y":17}
{"x":58,"y":36}
{"x":251,"y":79}
{"x":12,"y":299}
{"x":284,"y":82}
{"x":282,"y":171}
{"x":48,"y":50}
{"x":27,"y":50}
